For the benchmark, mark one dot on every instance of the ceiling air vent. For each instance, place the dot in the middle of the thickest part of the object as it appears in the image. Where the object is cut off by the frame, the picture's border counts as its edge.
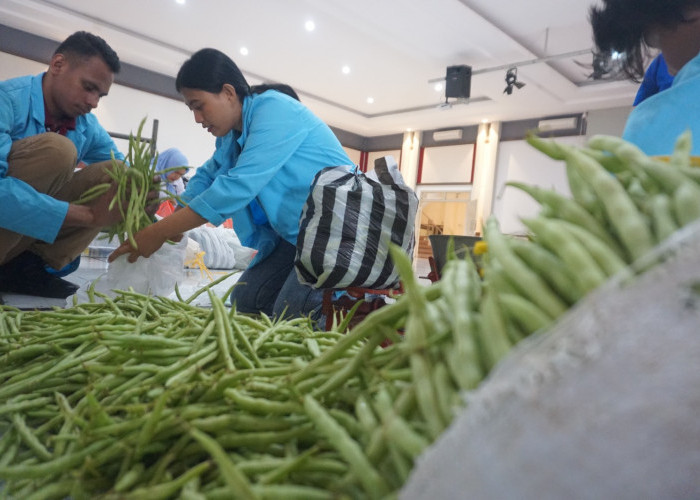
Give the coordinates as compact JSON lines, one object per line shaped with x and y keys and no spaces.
{"x":569,"y":123}
{"x":447,"y":135}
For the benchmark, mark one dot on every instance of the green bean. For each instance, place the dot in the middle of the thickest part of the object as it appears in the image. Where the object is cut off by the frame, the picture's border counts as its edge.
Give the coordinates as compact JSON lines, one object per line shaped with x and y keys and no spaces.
{"x":550,"y":267}
{"x":30,"y":439}
{"x":372,"y":482}
{"x":459,"y":277}
{"x":604,"y":256}
{"x":166,"y":489}
{"x":55,"y":466}
{"x":588,"y":275}
{"x":493,"y":338}
{"x":569,"y":210}
{"x":621,"y":212}
{"x":92,"y":193}
{"x":259,"y":405}
{"x":234,"y":478}
{"x":524,"y":278}
{"x":686,"y":204}
{"x":262,"y":439}
{"x":397,"y":428}
{"x":662,"y":216}
{"x":524,"y":312}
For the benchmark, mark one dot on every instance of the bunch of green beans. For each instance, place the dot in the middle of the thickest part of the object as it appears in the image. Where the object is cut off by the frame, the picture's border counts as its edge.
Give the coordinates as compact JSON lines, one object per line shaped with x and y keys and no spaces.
{"x":133,"y":187}
{"x":145,"y":397}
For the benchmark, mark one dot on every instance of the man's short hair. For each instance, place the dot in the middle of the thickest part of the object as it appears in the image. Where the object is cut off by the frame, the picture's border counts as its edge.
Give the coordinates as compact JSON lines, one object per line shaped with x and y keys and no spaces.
{"x":82,"y":43}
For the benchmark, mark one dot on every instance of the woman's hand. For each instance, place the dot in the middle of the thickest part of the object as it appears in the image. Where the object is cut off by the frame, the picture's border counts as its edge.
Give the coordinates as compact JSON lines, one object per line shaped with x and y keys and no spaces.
{"x":148,"y":241}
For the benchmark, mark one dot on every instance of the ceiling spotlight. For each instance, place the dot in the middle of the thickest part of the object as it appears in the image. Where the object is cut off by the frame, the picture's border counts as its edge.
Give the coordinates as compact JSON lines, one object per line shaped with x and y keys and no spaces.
{"x":512,"y":81}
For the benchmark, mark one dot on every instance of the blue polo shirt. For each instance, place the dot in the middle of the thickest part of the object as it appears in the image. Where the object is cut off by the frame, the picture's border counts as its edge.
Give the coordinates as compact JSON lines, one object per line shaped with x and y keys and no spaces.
{"x":23,"y":209}
{"x":273,"y":160}
{"x":655,"y":124}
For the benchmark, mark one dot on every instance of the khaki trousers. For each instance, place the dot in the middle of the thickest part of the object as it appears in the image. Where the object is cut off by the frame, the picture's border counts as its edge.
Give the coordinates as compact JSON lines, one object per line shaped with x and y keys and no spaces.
{"x":47,"y":163}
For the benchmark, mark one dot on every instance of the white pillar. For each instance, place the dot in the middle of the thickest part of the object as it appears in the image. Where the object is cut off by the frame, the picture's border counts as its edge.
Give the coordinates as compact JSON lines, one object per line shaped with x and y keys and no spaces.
{"x":484,"y":176}
{"x":410,"y":157}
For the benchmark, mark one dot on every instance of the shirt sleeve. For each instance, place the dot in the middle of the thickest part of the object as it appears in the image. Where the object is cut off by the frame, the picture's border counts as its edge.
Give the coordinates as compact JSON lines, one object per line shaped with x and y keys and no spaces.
{"x":273,"y":133}
{"x":23,"y":209}
{"x":6,"y":119}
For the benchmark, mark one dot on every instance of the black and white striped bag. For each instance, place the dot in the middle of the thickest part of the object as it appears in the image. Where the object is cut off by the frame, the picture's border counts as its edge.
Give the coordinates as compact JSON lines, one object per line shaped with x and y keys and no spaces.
{"x":347,"y":224}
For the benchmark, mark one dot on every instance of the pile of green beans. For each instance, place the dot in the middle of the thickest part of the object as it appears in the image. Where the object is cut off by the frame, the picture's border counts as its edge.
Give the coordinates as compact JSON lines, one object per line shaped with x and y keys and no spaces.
{"x":623,"y":204}
{"x":140,"y":396}
{"x":146,"y":397}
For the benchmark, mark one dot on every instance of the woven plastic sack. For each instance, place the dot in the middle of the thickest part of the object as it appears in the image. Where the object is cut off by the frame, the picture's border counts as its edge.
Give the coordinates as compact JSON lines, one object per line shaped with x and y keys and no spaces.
{"x":348,"y":222}
{"x":603,"y":406}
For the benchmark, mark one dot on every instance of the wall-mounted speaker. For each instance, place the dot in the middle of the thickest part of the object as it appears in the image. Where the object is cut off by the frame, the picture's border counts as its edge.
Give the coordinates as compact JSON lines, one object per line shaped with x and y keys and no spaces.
{"x":458,"y":81}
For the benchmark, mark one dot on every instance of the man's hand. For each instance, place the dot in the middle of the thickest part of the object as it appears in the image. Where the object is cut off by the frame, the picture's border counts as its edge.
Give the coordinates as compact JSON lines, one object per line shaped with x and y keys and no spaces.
{"x":103,"y":216}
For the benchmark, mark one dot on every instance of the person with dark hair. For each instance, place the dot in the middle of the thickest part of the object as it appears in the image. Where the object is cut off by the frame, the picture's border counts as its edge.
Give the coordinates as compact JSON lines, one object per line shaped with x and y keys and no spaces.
{"x":631,"y":27}
{"x":269,"y":148}
{"x":46,"y":129}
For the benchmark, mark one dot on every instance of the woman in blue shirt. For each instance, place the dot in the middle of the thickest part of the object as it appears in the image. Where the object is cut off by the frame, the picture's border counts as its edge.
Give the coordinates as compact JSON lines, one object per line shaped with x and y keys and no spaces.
{"x":673,"y":26}
{"x":269,"y":147}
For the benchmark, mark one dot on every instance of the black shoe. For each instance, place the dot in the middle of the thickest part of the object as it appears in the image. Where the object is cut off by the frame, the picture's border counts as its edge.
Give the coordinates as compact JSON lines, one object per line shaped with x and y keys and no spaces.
{"x":26,"y":274}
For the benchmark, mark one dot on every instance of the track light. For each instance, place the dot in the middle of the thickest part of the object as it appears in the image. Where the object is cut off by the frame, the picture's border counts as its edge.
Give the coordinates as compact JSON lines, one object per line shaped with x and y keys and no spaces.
{"x":512,"y":81}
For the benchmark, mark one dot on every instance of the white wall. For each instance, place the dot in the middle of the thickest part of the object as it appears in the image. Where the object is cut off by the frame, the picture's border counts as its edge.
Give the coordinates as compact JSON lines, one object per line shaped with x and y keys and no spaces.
{"x":607,"y":121}
{"x":447,"y":164}
{"x":518,"y":161}
{"x":122,"y":110}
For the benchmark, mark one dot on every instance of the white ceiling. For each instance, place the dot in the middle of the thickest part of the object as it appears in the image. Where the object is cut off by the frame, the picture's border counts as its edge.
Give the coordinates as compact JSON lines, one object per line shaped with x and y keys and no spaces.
{"x":393,"y":47}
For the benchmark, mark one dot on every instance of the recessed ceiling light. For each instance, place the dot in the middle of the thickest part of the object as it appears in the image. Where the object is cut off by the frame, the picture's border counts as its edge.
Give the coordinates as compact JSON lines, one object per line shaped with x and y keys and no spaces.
{"x":346,"y":69}
{"x":181,"y":2}
{"x":438,"y":87}
{"x":310,"y":25}
{"x":244,"y":51}
{"x":370,"y":100}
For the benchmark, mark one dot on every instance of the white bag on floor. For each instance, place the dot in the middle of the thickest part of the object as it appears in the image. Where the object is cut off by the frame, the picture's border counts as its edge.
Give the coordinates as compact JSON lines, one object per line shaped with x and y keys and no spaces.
{"x":155,"y":275}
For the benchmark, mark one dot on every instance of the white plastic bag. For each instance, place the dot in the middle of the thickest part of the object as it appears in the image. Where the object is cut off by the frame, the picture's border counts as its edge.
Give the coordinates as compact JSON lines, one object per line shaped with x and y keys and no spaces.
{"x":222,"y":248}
{"x":155,"y":275}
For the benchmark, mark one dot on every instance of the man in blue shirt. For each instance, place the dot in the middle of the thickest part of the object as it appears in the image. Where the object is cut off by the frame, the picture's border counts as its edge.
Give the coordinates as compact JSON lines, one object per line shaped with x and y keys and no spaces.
{"x":46,"y":129}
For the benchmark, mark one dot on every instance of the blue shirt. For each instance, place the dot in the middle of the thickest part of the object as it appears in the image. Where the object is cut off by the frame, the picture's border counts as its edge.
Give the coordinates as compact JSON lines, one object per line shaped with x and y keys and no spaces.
{"x":23,"y":209}
{"x":273,"y":160}
{"x":656,"y":78}
{"x":657,"y":122}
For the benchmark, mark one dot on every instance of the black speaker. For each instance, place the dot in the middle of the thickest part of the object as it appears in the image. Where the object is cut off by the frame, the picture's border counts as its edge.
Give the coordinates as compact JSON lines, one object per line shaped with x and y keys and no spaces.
{"x":458,"y":81}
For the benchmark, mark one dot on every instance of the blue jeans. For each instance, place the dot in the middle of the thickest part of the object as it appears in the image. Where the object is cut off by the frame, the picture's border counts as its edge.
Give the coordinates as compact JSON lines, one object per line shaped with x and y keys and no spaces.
{"x":272,"y":287}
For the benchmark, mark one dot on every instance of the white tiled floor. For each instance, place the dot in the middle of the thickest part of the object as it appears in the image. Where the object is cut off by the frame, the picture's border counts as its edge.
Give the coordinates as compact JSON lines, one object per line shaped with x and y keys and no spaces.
{"x":92,"y":268}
